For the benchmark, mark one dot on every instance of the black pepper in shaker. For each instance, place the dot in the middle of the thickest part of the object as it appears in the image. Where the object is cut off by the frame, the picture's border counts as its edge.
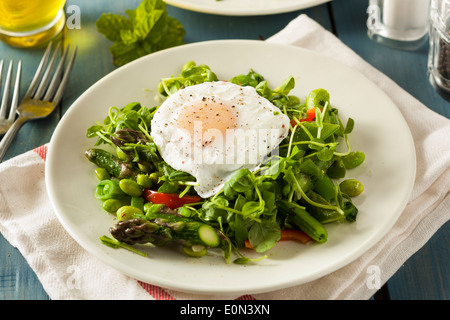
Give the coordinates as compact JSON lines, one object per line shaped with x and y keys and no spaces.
{"x":443,"y":64}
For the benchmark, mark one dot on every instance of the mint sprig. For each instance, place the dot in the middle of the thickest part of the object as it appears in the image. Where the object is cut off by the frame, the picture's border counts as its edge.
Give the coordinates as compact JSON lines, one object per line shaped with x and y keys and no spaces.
{"x":147,"y":29}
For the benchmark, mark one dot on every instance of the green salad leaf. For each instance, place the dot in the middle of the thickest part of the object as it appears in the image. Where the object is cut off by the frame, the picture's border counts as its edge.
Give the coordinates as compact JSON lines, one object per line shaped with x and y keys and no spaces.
{"x":147,"y":29}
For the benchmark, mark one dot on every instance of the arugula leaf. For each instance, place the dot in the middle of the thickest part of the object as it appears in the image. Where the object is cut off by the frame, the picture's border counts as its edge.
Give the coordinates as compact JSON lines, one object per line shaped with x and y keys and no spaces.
{"x":147,"y":29}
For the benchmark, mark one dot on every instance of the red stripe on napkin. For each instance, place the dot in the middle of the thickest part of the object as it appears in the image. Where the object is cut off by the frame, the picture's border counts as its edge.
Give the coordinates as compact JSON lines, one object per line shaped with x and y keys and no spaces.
{"x":159,"y":293}
{"x":246,"y":297}
{"x":41,"y":151}
{"x":155,"y":291}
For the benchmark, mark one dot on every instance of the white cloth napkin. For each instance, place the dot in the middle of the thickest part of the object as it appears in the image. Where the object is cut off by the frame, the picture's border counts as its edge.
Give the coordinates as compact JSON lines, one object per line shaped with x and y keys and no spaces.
{"x":67,"y":271}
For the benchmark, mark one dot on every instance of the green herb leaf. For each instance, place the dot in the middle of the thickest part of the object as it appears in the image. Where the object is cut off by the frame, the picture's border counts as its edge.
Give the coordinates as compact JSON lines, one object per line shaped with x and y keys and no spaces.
{"x":110,"y":25}
{"x":263,"y":236}
{"x":350,"y":125}
{"x":317,"y":98}
{"x":240,"y":231}
{"x":252,"y":209}
{"x":287,"y":85}
{"x":240,"y":181}
{"x":168,"y":187}
{"x":147,"y":29}
{"x":191,"y":74}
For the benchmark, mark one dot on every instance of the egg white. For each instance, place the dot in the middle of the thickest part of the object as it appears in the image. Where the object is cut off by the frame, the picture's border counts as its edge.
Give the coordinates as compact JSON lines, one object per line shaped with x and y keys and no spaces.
{"x":212,"y":156}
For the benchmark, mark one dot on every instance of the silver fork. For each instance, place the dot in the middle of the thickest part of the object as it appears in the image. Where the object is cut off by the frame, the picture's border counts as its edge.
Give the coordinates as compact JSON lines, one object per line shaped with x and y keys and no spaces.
{"x":7,"y":116}
{"x":40,"y":101}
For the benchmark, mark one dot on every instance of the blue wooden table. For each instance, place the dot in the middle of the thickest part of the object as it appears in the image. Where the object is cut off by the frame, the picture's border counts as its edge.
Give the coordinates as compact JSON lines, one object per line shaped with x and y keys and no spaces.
{"x":424,"y":276}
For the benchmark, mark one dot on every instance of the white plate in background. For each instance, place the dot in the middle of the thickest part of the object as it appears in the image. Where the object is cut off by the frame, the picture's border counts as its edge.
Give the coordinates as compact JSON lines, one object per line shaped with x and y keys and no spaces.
{"x":244,"y":7}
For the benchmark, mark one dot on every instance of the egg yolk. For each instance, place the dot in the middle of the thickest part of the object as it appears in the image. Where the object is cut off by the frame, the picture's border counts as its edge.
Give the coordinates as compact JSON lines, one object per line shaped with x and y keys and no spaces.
{"x":206,"y":115}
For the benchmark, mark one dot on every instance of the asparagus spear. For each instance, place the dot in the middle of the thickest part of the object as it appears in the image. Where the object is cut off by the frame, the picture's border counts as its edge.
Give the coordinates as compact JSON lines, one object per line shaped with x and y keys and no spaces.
{"x":110,"y":163}
{"x":160,"y":231}
{"x":133,"y":142}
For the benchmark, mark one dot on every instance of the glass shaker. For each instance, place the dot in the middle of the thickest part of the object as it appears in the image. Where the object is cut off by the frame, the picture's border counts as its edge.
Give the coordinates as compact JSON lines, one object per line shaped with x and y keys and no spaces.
{"x":401,"y":24}
{"x":439,"y":54}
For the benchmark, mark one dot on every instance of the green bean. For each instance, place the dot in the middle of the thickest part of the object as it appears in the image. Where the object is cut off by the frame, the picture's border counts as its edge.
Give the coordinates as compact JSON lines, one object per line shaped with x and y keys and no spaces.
{"x":337,"y":169}
{"x":154,"y":176}
{"x":137,"y":202}
{"x":150,"y":208}
{"x":323,"y":215}
{"x":351,"y":187}
{"x":305,"y":221}
{"x":145,"y":167}
{"x":109,"y":189}
{"x":111,"y":205}
{"x":122,"y":155}
{"x":144,"y":181}
{"x":128,"y":213}
{"x":353,"y":159}
{"x":130,"y":187}
{"x":350,"y":211}
{"x":102,"y":174}
{"x":325,"y":187}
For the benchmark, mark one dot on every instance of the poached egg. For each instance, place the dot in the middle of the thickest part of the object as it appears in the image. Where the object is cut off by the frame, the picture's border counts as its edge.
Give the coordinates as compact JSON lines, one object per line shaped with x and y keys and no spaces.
{"x":212,"y":129}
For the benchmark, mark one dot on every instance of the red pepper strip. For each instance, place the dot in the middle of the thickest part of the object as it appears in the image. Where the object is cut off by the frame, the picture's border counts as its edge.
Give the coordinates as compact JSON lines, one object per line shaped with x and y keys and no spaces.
{"x":295,"y":235}
{"x":310,"y":116}
{"x":289,"y":235}
{"x":171,"y":200}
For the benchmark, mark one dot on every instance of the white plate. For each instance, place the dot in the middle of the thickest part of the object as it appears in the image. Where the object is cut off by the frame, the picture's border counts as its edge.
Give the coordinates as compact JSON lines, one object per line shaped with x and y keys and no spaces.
{"x":380,"y":131}
{"x":244,"y":7}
